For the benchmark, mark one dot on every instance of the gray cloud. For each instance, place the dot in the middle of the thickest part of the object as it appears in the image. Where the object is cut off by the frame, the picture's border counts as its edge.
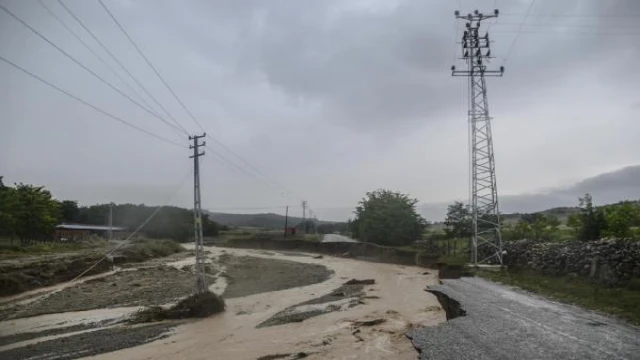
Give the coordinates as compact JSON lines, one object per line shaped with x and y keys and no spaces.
{"x":330,"y":98}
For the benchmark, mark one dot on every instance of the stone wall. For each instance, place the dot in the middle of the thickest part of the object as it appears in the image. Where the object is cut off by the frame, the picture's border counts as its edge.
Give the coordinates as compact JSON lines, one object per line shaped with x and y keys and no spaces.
{"x":609,"y":261}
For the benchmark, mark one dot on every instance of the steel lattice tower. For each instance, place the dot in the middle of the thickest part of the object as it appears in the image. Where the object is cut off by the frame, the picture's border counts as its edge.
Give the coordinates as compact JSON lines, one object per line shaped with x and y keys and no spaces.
{"x":485,"y":215}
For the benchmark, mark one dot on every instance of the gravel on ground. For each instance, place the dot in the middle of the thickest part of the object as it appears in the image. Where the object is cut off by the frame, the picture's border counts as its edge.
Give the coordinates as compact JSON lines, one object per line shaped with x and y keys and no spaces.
{"x":248,"y":275}
{"x":142,"y":287}
{"x":90,"y":343}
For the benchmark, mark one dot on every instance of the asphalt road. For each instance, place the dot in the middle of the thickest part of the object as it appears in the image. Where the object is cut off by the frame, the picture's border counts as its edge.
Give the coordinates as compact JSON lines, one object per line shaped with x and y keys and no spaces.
{"x":336,"y":238}
{"x":504,"y":323}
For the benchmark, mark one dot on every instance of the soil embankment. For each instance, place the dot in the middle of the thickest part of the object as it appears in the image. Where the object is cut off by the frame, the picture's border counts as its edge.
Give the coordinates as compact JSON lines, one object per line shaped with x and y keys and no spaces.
{"x":92,"y":317}
{"x":357,"y":250}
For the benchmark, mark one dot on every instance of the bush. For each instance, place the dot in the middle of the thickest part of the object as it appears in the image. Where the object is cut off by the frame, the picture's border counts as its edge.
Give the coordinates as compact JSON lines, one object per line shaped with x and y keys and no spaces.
{"x":143,"y":249}
{"x":195,"y":306}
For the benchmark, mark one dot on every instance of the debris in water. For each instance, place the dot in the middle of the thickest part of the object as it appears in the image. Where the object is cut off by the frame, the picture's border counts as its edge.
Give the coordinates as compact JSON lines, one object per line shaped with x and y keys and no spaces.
{"x":369,"y":322}
{"x":360,"y":282}
{"x":195,"y":306}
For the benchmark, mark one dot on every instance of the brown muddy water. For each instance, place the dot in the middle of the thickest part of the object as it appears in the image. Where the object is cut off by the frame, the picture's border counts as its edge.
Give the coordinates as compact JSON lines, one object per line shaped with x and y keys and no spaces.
{"x":370,"y":325}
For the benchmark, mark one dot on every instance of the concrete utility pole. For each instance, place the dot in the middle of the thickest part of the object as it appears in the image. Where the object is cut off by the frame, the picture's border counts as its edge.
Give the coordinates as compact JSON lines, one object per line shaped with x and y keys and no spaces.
{"x":304,"y":216}
{"x":483,"y":190}
{"x":286,"y":222}
{"x":110,"y":221}
{"x":201,"y":282}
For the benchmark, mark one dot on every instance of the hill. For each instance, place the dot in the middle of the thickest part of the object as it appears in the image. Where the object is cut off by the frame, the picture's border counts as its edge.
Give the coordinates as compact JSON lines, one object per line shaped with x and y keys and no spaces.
{"x":264,"y":220}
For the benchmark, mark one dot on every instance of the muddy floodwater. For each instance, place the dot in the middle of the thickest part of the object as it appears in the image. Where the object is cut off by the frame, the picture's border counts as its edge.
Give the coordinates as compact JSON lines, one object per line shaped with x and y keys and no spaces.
{"x":362,"y":321}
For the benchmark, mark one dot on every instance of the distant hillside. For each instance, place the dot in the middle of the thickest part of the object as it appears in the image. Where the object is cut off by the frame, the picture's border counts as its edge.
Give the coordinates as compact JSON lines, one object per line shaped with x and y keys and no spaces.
{"x":606,"y":188}
{"x":265,"y":220}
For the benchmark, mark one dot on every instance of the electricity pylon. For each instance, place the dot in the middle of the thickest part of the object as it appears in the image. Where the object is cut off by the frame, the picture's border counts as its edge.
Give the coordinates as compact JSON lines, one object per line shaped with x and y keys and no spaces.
{"x":201,"y":282}
{"x":485,"y":213}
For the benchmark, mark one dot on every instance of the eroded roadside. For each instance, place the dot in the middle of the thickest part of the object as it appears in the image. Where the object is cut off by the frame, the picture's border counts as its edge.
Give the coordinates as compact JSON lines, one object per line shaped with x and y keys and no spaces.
{"x":257,"y":286}
{"x":60,"y":324}
{"x":374,"y":329}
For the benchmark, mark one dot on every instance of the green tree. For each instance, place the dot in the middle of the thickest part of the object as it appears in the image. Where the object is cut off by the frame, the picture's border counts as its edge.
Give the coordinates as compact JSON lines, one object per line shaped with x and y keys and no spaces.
{"x":591,"y":221}
{"x":388,"y":218}
{"x":8,"y":204}
{"x":458,"y":221}
{"x":522,"y":230}
{"x":620,"y":218}
{"x":69,"y":210}
{"x":36,"y":213}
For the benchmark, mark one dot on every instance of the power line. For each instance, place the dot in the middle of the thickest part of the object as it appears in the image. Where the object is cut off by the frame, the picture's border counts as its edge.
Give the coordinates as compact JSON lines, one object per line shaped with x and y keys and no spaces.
{"x":571,"y":15}
{"x":566,"y":32}
{"x":106,"y":255}
{"x":267,"y":178}
{"x":72,"y":32}
{"x":241,"y":169}
{"x":87,"y":103}
{"x":506,"y":58}
{"x":84,"y":67}
{"x":219,"y":143}
{"x":150,"y":65}
{"x":124,"y":68}
{"x":573,"y":25}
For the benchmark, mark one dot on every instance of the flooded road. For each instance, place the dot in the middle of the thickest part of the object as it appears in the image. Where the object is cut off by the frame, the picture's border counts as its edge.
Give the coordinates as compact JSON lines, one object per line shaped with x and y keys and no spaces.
{"x":397,"y":296}
{"x":336,"y":238}
{"x":505,"y":323}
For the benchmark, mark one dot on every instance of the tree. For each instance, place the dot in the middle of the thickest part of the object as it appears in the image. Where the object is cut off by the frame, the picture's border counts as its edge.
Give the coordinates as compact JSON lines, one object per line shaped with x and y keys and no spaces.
{"x":36,"y":213}
{"x":522,"y":230}
{"x":590,"y":221}
{"x":620,"y":218}
{"x":8,"y":203}
{"x":387,"y":218}
{"x":69,"y":210}
{"x":458,"y":221}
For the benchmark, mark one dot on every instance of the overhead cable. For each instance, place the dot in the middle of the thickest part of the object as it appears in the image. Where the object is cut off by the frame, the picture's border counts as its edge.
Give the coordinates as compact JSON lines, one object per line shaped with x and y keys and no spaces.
{"x":88,"y":104}
{"x":36,"y":32}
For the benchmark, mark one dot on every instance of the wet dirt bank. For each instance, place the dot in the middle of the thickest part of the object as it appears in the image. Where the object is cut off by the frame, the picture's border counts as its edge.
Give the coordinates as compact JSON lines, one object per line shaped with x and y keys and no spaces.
{"x":357,"y":250}
{"x":71,"y":324}
{"x":374,"y":329}
{"x":248,"y":275}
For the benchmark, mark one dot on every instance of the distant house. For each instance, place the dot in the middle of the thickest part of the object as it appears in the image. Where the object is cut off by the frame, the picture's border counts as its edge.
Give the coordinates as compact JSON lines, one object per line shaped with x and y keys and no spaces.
{"x":80,"y":232}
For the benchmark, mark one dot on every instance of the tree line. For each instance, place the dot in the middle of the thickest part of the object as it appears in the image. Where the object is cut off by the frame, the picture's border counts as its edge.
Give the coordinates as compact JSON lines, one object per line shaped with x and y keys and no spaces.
{"x":30,"y":213}
{"x":589,"y":222}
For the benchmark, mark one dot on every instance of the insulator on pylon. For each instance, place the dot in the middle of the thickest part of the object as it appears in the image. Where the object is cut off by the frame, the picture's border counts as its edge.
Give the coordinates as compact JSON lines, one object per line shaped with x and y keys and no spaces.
{"x":468,"y":25}
{"x":478,"y":53}
{"x":488,"y":53}
{"x":466,"y":54}
{"x":466,"y":33}
{"x":453,"y":68}
{"x":501,"y":69}
{"x":486,"y":36}
{"x":464,"y":44}
{"x":479,"y":61}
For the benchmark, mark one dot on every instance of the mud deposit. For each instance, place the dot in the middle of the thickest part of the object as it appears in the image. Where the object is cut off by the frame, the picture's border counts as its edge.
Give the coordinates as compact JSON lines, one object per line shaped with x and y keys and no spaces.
{"x":90,"y":343}
{"x":248,"y":275}
{"x":346,"y":296}
{"x":143,"y":287}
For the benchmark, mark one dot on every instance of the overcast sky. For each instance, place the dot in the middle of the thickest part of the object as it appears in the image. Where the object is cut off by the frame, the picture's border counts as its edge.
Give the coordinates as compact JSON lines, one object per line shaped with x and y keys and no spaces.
{"x":328,"y":99}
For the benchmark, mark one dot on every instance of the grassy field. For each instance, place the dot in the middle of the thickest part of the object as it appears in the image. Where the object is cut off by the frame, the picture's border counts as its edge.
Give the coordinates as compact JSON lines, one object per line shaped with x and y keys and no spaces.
{"x":619,"y":301}
{"x":9,"y":251}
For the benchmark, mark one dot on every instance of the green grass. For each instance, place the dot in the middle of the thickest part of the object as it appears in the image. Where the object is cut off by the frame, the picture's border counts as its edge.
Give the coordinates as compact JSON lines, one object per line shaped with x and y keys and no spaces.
{"x":619,"y":301}
{"x":13,"y":251}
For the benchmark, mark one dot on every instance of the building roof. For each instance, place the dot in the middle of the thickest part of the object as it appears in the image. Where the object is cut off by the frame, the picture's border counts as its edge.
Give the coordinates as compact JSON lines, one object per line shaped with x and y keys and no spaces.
{"x":89,"y":227}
